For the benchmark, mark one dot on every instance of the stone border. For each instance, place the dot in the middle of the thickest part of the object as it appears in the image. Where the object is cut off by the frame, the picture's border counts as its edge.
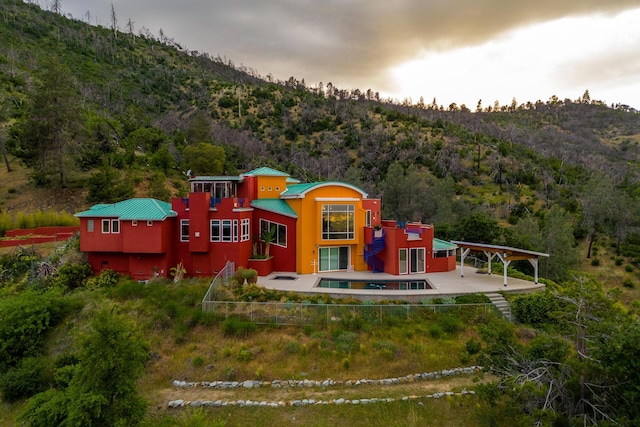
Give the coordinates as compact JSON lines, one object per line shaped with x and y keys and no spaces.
{"x":180,"y":403}
{"x":326,"y":383}
{"x":248,"y":384}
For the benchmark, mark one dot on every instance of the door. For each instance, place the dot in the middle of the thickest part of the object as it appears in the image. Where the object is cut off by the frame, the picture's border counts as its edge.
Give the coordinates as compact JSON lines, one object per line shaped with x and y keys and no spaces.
{"x":336,"y":258}
{"x":402,"y":261}
{"x":416,"y":260}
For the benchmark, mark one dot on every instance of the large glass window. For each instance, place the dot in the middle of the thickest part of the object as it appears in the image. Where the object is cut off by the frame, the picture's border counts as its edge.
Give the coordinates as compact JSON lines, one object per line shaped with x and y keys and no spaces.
{"x":184,"y":230}
{"x":279,"y":232}
{"x":338,"y":222}
{"x":332,"y":259}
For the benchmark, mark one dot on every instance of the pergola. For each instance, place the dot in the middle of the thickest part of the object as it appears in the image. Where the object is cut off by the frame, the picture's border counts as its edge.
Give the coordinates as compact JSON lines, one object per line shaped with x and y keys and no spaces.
{"x":506,"y":254}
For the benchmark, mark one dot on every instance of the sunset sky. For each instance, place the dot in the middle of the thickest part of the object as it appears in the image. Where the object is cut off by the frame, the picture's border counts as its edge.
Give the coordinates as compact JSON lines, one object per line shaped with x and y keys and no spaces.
{"x":457,"y":51}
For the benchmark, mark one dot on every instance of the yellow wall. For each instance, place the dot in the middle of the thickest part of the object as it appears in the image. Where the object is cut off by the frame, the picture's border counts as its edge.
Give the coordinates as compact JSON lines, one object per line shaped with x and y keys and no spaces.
{"x":270,"y":187}
{"x":309,"y":226}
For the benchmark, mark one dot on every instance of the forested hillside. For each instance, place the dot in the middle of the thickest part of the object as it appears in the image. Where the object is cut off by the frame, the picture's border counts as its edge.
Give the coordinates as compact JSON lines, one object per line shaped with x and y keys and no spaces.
{"x":100,"y":114}
{"x":96,"y":114}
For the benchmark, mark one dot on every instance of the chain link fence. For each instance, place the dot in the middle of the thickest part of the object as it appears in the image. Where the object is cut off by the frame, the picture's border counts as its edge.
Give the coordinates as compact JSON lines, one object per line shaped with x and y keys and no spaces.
{"x":303,"y":314}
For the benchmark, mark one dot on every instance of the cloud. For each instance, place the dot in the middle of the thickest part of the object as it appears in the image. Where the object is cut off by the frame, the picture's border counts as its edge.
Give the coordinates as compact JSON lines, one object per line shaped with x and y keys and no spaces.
{"x":352,"y":43}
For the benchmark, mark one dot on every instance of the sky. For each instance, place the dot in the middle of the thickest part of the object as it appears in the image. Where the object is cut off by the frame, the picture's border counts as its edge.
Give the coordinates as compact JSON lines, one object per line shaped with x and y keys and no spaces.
{"x":456,"y":51}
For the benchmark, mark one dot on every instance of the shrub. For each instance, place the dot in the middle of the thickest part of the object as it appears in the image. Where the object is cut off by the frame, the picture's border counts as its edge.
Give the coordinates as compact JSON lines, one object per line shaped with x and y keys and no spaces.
{"x":25,"y":380}
{"x":72,"y":276}
{"x":618,"y":262}
{"x":234,"y":326}
{"x":292,"y":347}
{"x":595,"y":262}
{"x":534,"y":309}
{"x":346,"y":341}
{"x":628,"y":268}
{"x":473,"y":346}
{"x":451,"y":324}
{"x":628,"y":283}
{"x":472,"y":299}
{"x":24,"y":321}
{"x":435,"y":331}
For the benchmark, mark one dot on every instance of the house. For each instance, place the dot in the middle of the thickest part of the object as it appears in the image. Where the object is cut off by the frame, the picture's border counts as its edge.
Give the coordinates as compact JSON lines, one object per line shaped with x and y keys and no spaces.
{"x":305,"y":227}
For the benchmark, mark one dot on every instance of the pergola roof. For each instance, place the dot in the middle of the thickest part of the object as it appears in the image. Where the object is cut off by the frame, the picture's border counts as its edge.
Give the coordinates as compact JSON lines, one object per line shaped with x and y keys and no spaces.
{"x":506,"y":254}
{"x":512,"y":254}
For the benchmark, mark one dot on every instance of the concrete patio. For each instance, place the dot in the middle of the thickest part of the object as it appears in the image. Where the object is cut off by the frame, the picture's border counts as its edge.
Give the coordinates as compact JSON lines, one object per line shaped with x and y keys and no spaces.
{"x":442,"y":284}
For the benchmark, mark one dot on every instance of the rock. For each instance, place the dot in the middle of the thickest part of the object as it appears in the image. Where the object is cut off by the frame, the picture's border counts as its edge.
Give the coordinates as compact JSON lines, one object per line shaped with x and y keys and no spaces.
{"x":247,"y":384}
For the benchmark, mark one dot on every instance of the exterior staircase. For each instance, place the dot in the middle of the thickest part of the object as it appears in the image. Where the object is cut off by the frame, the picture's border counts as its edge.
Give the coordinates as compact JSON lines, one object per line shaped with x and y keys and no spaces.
{"x":501,"y":304}
{"x":371,"y":250}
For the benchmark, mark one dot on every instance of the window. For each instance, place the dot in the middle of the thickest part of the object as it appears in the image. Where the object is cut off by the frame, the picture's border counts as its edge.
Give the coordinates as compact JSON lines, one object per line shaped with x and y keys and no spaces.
{"x":184,"y":230}
{"x":402,"y":261}
{"x":110,"y":226}
{"x":246,"y":230}
{"x":134,"y":223}
{"x":90,"y":225}
{"x":338,"y":222}
{"x":226,"y":230}
{"x":235,"y":230}
{"x":215,"y":230}
{"x":149,"y":223}
{"x":367,"y":219}
{"x":279,"y":232}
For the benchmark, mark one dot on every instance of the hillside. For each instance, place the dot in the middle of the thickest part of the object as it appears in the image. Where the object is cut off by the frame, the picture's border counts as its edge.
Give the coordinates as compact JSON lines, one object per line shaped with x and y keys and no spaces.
{"x":90,"y":115}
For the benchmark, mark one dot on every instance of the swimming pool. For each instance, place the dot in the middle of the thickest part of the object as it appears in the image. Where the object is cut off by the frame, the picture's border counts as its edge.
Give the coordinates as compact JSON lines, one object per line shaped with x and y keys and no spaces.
{"x":392,"y":285}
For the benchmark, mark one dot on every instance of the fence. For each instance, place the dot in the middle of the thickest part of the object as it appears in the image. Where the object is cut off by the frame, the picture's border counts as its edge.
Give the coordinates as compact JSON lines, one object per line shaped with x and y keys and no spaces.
{"x":221,"y":279}
{"x":302,"y":314}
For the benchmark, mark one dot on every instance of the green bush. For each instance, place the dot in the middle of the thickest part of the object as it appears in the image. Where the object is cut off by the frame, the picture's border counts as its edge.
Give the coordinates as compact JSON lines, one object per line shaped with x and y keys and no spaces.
{"x":451,"y":324}
{"x":628,"y":268}
{"x":292,"y":347}
{"x":237,"y":327}
{"x":595,"y":262}
{"x":24,"y":321}
{"x":72,"y":276}
{"x":435,"y":330}
{"x":472,"y":299}
{"x":24,"y":380}
{"x":534,"y":309}
{"x":346,"y":341}
{"x":473,"y":346}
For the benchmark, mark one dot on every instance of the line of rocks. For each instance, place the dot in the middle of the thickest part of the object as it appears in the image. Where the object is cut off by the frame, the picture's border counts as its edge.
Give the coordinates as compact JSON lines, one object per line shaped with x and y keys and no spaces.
{"x":326,"y":383}
{"x":180,"y":403}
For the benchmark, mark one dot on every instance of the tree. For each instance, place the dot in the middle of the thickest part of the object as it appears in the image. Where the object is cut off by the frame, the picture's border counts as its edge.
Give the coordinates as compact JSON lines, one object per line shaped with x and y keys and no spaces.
{"x":597,"y":207}
{"x":559,"y":243}
{"x":106,"y":186}
{"x":205,"y":159}
{"x":51,"y":123}
{"x":102,"y":391}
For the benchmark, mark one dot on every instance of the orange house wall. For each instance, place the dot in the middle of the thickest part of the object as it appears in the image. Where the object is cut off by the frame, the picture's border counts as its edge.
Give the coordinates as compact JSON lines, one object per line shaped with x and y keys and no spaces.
{"x":309,"y":229}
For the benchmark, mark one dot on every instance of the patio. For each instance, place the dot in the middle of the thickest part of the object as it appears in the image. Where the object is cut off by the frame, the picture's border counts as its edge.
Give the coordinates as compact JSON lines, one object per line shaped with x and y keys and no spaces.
{"x":442,"y":284}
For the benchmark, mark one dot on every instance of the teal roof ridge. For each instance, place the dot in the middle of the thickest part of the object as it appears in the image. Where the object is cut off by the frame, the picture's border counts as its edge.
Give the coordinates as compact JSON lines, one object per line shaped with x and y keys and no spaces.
{"x":131,"y":209}
{"x":265,"y":171}
{"x":274,"y":205}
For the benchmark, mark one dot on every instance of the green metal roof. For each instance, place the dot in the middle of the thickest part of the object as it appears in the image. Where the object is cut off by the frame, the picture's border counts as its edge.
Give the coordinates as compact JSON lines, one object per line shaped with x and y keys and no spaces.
{"x":265,"y":171}
{"x":441,"y":245}
{"x":300,"y":190}
{"x":274,"y":205}
{"x":293,"y":181}
{"x":138,"y":209}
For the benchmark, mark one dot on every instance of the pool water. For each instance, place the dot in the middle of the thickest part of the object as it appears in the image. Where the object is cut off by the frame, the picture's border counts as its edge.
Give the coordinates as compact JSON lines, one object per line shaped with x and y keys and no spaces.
{"x":384,"y":285}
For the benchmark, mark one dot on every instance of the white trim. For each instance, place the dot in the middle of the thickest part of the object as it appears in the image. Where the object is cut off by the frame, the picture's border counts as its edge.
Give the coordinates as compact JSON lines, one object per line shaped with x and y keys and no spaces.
{"x":337,"y":199}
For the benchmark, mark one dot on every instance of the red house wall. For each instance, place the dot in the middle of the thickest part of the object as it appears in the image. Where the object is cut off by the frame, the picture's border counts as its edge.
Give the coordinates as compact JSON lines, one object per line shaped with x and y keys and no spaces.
{"x":97,"y":240}
{"x":144,"y":238}
{"x":284,"y":259}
